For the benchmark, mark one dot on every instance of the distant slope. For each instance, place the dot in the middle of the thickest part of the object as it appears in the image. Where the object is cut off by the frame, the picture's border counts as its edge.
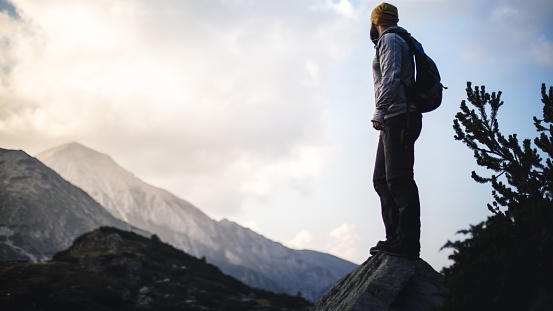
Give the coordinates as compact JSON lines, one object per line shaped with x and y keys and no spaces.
{"x":41,"y":213}
{"x":239,"y":251}
{"x":110,"y":269}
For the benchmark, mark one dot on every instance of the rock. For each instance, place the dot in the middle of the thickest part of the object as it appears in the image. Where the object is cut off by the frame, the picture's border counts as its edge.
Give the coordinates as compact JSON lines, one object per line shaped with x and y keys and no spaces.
{"x":386,"y":283}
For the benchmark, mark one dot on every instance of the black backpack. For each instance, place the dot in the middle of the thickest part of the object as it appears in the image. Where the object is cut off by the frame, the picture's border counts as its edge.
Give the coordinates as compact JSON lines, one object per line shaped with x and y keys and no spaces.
{"x":426,"y":92}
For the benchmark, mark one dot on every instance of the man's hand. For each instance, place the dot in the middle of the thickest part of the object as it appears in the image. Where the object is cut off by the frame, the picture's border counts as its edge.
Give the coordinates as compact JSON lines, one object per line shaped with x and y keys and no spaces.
{"x":378,"y":126}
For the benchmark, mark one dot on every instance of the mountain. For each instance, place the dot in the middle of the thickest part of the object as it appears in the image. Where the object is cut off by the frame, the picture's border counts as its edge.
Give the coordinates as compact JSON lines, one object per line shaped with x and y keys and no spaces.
{"x":387,"y":283}
{"x":41,"y":212}
{"x":238,"y":251}
{"x":110,"y":269}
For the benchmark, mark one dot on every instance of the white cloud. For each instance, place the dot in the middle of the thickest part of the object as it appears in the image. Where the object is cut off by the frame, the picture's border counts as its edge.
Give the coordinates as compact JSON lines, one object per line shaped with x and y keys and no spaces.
{"x":342,"y":242}
{"x":542,"y":51}
{"x":500,"y":14}
{"x":505,"y":34}
{"x":212,"y":97}
{"x":342,"y":7}
{"x":302,"y":240}
{"x":312,"y":68}
{"x":303,"y":161}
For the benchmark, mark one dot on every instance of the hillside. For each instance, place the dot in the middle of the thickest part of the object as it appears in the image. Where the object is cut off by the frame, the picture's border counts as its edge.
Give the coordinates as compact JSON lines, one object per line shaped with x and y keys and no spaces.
{"x":41,"y":212}
{"x":111,"y":269}
{"x":238,"y":251}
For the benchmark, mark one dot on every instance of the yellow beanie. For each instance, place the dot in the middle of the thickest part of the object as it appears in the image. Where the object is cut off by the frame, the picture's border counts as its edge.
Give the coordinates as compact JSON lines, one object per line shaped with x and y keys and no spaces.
{"x":385,"y":14}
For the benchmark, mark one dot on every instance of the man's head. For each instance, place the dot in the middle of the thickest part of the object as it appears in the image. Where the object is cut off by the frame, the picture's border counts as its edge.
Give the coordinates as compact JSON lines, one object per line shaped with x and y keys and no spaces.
{"x":385,"y":15}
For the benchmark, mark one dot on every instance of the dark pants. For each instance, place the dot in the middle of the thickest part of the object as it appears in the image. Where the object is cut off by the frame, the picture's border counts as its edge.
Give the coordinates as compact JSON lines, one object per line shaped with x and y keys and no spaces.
{"x":394,"y":178}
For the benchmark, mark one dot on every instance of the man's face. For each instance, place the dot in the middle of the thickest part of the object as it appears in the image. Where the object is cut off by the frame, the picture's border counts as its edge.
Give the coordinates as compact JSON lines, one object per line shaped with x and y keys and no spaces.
{"x":374,"y":32}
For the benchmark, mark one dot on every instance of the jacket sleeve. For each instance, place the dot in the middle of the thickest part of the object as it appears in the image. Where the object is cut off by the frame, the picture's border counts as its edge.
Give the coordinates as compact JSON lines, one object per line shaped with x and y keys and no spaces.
{"x":390,"y":54}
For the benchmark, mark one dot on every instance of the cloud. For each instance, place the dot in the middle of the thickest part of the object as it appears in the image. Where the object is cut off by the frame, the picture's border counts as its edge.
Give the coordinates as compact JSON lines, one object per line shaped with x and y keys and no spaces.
{"x":500,"y":14}
{"x":497,"y":35}
{"x":342,"y":7}
{"x":302,"y":240}
{"x":342,"y":242}
{"x":542,"y":51}
{"x":225,"y":97}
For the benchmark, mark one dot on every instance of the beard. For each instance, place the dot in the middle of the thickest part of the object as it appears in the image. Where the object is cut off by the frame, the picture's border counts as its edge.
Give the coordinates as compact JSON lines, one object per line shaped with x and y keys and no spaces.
{"x":374,"y":33}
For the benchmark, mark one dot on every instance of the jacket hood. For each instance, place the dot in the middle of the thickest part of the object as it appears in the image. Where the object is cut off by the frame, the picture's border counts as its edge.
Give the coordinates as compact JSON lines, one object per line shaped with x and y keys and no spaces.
{"x":396,"y":28}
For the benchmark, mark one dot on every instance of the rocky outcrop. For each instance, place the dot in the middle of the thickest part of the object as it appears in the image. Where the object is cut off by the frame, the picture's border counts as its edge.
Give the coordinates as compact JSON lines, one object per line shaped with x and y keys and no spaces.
{"x":386,"y":283}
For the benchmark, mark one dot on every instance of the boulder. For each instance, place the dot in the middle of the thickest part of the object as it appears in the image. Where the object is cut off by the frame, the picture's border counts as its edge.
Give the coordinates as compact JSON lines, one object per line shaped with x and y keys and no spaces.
{"x":386,"y":283}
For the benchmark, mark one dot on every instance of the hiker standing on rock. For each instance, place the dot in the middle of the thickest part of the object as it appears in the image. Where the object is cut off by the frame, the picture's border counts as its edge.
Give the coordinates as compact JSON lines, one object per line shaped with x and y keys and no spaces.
{"x":399,"y":124}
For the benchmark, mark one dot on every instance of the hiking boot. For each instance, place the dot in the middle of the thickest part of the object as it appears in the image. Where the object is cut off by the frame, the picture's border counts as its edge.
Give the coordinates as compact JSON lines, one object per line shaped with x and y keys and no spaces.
{"x":400,"y":248}
{"x":375,"y":249}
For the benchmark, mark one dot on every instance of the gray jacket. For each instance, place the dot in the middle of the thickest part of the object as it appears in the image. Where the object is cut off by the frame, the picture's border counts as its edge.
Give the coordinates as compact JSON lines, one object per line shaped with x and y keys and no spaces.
{"x":392,"y":64}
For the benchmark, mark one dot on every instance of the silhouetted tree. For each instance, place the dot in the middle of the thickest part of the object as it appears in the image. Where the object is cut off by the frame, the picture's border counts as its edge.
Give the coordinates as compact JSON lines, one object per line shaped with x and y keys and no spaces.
{"x":506,"y":263}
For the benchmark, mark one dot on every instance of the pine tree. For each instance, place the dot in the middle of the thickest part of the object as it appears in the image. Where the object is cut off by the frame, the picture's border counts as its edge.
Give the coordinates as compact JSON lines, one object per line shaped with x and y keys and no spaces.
{"x":506,"y":263}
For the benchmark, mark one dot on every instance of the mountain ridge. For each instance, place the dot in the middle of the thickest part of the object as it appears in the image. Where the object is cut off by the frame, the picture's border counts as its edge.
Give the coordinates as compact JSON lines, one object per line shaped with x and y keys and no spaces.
{"x":239,"y":251}
{"x":42,"y":212}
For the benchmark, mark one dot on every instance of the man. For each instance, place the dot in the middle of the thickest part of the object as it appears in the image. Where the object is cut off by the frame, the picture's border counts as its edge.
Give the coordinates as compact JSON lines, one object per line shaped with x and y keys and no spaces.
{"x":399,"y":124}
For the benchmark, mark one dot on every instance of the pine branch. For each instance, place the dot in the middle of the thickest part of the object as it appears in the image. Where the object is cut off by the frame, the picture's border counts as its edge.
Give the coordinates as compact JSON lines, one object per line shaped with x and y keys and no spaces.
{"x":521,"y":164}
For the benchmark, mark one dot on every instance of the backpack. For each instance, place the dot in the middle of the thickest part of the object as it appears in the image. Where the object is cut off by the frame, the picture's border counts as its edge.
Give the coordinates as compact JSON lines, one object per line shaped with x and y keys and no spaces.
{"x":426,"y":92}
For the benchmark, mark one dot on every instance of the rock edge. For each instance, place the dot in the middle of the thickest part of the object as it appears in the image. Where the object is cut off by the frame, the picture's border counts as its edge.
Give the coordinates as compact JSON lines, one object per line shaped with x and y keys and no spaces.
{"x":386,"y":283}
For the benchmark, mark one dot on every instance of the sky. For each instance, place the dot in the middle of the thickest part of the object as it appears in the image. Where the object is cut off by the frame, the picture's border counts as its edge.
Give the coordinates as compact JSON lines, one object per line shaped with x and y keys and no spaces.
{"x":259,"y":111}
